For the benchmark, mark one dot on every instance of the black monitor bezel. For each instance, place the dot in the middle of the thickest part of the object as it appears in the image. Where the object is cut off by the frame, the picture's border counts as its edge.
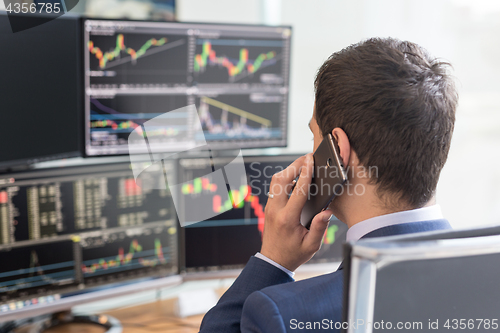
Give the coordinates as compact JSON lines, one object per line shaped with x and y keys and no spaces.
{"x":24,"y":163}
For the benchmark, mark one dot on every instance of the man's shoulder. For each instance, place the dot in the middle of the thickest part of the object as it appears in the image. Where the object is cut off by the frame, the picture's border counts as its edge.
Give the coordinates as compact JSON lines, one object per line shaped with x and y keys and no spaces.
{"x":306,"y":288}
{"x":308,"y":300}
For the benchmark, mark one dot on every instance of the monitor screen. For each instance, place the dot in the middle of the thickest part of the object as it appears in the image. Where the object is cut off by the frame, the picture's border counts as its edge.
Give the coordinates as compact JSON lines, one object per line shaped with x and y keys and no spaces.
{"x":229,"y":239}
{"x":235,"y":75}
{"x":41,"y":87}
{"x":66,"y":230}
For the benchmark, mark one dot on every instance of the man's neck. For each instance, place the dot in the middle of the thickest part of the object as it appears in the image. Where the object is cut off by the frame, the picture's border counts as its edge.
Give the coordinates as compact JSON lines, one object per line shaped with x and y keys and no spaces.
{"x":364,"y":207}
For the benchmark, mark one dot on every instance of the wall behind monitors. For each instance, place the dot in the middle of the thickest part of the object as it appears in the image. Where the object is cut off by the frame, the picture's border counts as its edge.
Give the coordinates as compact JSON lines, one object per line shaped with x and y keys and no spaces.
{"x":70,"y":229}
{"x":41,"y":90}
{"x":229,"y":239}
{"x":237,"y":76}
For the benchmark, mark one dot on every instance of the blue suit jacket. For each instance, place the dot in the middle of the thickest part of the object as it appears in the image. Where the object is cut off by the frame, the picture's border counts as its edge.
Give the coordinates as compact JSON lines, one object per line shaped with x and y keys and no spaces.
{"x":264,"y":299}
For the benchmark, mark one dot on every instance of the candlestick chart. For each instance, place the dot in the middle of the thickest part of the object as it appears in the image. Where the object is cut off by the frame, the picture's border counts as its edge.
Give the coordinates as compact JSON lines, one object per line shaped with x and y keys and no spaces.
{"x":135,"y":256}
{"x":238,"y":61}
{"x":113,"y":119}
{"x":228,"y":205}
{"x":230,"y":237}
{"x":237,"y":230}
{"x":125,"y":254}
{"x":105,"y":57}
{"x":132,"y":59}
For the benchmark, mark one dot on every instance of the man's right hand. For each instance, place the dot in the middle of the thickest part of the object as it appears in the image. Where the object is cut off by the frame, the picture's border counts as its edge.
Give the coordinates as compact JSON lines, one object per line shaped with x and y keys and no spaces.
{"x":285,"y":240}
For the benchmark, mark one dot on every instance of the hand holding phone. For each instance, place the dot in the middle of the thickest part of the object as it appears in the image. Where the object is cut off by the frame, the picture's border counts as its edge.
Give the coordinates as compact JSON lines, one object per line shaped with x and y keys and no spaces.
{"x":285,"y":240}
{"x":328,"y":178}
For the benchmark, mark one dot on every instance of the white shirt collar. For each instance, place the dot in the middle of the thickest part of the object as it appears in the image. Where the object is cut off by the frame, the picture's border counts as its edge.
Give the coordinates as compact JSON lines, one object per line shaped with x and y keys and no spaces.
{"x":415,"y":215}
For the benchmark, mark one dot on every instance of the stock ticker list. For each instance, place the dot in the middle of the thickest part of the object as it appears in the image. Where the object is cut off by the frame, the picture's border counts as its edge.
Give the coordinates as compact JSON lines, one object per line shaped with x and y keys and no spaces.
{"x":83,"y":226}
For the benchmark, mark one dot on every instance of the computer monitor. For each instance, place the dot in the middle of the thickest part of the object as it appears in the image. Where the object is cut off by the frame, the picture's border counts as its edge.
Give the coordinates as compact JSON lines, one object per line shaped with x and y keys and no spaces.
{"x":41,"y":83}
{"x":228,"y":240}
{"x":79,"y":233}
{"x":236,"y":75}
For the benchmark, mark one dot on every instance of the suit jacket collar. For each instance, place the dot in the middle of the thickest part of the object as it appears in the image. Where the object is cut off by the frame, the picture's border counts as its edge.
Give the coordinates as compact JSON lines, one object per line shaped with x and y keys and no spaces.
{"x":406,"y":228}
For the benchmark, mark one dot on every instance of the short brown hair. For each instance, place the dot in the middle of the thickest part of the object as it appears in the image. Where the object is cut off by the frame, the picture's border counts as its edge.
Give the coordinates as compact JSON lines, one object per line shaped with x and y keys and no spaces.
{"x":397,"y":106}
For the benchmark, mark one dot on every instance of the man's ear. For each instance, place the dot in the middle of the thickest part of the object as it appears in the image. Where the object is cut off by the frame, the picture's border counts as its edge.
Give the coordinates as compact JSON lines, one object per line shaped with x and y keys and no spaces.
{"x":344,"y":145}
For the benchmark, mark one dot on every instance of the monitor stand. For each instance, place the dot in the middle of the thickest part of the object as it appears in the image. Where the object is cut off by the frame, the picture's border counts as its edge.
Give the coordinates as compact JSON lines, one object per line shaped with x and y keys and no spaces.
{"x":42,"y":323}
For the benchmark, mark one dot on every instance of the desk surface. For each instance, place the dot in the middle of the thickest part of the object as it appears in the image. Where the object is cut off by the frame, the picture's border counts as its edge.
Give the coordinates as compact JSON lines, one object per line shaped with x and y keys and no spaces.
{"x":157,"y":316}
{"x":154,"y":317}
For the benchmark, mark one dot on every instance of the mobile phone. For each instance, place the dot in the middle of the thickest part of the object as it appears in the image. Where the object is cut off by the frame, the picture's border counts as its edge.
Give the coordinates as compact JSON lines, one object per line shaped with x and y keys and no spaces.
{"x":327,"y":181}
